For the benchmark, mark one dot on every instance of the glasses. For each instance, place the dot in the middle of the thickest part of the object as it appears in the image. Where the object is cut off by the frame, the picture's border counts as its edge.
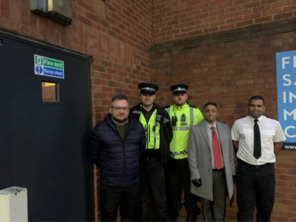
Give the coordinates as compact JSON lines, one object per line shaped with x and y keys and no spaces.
{"x":125,"y":109}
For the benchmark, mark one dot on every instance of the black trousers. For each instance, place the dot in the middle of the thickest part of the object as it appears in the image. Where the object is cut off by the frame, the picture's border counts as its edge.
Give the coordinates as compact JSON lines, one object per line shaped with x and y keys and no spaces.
{"x":113,"y":197}
{"x":180,"y":179}
{"x":255,"y":187}
{"x":152,"y":174}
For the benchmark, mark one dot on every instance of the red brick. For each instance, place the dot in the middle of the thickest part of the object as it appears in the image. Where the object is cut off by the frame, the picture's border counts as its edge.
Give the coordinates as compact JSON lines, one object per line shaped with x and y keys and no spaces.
{"x":235,"y":19}
{"x":244,"y":23}
{"x":280,"y":4}
{"x":272,"y":12}
{"x":225,"y":27}
{"x":217,"y":2}
{"x":5,"y":8}
{"x":263,"y":19}
{"x":253,"y":16}
{"x":172,"y":3}
{"x":209,"y":19}
{"x":226,"y":16}
{"x":15,"y":14}
{"x":244,"y":82}
{"x":283,"y":15}
{"x":243,"y":12}
{"x":179,"y":6}
{"x":226,"y":5}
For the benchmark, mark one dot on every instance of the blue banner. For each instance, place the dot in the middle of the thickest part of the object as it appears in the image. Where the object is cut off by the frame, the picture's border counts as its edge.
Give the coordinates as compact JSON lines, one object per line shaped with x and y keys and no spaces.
{"x":286,"y":91}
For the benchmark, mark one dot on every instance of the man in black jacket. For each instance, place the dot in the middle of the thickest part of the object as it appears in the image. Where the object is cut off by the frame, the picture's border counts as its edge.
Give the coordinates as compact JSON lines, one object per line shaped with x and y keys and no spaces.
{"x":116,"y":145}
{"x":156,"y":123}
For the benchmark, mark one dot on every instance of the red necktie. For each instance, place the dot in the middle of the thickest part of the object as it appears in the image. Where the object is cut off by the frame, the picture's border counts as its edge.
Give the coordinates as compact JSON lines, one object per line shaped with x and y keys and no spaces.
{"x":216,"y":150}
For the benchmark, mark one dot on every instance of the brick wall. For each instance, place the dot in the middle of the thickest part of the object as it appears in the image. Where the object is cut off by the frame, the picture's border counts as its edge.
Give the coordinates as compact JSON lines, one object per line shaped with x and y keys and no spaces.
{"x":180,"y":19}
{"x":116,"y":33}
{"x":228,"y":68}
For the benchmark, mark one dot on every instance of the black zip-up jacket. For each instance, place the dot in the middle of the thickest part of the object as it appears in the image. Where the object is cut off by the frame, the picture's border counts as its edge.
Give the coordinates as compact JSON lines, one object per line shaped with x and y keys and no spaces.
{"x":166,"y":132}
{"x":118,"y":160}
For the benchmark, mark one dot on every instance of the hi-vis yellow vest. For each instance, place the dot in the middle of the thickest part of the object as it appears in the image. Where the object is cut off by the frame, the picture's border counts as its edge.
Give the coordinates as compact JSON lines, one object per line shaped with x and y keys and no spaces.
{"x":152,"y":135}
{"x":178,"y":146}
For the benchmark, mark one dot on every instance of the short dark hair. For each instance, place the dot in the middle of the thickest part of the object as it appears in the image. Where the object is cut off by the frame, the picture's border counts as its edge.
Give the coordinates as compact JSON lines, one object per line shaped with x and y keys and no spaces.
{"x":256,"y":98}
{"x":210,"y":103}
{"x":119,"y":96}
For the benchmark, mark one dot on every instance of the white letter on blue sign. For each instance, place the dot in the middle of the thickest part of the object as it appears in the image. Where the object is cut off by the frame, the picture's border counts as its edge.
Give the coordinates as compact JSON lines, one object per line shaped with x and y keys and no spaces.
{"x":290,"y":114}
{"x":288,"y":80}
{"x":286,"y":132}
{"x":291,"y":95}
{"x":284,"y":62}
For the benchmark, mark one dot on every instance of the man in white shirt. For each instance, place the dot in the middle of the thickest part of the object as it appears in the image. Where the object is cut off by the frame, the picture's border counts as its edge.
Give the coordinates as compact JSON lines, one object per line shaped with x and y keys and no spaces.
{"x":257,"y":139}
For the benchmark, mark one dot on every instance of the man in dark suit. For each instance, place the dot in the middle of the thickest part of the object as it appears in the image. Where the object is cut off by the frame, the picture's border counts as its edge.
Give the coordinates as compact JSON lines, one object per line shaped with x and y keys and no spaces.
{"x":211,"y":162}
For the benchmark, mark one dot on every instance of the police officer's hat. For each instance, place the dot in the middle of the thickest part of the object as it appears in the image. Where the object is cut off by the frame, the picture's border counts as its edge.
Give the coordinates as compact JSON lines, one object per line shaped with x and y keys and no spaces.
{"x":179,"y":88}
{"x":147,"y":87}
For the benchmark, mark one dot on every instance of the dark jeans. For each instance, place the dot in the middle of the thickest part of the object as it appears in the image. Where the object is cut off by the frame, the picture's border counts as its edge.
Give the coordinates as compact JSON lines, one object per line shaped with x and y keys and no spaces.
{"x":113,"y":197}
{"x":152,"y":173}
{"x":255,"y":186}
{"x":181,"y":180}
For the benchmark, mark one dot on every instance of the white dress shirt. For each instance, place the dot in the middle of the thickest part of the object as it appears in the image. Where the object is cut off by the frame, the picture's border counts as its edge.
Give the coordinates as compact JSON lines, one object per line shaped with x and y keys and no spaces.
{"x":270,"y":132}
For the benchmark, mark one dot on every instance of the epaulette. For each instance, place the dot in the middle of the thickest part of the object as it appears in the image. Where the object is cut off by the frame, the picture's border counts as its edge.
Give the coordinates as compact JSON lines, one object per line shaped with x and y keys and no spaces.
{"x":193,"y":106}
{"x":167,"y":106}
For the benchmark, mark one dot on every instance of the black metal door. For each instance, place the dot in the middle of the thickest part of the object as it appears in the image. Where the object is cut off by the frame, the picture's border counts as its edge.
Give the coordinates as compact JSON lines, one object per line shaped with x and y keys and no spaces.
{"x":43,"y":145}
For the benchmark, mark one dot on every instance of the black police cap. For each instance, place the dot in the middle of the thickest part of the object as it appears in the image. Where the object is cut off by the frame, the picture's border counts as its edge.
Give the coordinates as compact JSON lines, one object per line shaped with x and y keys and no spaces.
{"x":147,"y":87}
{"x":179,"y":88}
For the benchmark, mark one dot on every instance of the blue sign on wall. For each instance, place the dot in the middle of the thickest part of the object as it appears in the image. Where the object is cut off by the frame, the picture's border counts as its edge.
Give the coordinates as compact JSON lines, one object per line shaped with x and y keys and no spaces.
{"x":286,"y":91}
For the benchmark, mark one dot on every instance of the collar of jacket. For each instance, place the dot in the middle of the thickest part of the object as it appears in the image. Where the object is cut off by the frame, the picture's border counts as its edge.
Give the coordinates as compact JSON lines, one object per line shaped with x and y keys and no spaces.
{"x":131,"y":120}
{"x":181,"y":107}
{"x":156,"y":106}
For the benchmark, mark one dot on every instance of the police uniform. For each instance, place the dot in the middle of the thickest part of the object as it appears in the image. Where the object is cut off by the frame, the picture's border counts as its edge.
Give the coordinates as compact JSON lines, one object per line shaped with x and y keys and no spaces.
{"x":156,"y":123}
{"x":182,"y":117}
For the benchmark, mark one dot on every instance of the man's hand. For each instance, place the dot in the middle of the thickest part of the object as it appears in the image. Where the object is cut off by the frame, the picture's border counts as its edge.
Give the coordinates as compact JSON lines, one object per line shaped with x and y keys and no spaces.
{"x":197,"y":182}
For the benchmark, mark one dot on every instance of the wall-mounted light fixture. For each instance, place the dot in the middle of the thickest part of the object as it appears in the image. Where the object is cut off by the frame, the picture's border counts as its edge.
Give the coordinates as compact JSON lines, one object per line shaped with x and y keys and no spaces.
{"x":59,"y":11}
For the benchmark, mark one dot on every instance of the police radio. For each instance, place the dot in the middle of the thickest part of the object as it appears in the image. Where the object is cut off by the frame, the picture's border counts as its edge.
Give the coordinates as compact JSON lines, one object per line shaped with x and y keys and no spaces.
{"x":157,"y":120}
{"x":174,"y":121}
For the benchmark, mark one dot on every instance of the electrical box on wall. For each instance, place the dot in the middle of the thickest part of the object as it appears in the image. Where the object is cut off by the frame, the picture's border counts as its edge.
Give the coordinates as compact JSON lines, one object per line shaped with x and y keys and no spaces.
{"x":59,"y":11}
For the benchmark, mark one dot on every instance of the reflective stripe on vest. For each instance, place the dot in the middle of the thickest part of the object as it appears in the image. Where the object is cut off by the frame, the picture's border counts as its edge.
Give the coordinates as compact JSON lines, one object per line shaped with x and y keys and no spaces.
{"x":180,"y":153}
{"x":152,"y":138}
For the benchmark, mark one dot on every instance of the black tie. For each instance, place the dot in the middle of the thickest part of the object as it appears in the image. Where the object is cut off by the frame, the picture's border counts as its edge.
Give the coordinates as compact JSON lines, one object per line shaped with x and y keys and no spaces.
{"x":257,"y":141}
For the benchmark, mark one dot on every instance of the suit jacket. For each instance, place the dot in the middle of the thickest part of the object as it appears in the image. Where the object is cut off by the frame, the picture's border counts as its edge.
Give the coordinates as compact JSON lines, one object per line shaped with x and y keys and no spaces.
{"x":199,"y":157}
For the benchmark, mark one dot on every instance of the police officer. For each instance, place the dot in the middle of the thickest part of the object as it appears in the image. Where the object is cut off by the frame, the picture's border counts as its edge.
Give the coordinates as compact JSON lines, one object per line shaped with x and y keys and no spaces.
{"x":182,"y":117}
{"x":156,"y":123}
